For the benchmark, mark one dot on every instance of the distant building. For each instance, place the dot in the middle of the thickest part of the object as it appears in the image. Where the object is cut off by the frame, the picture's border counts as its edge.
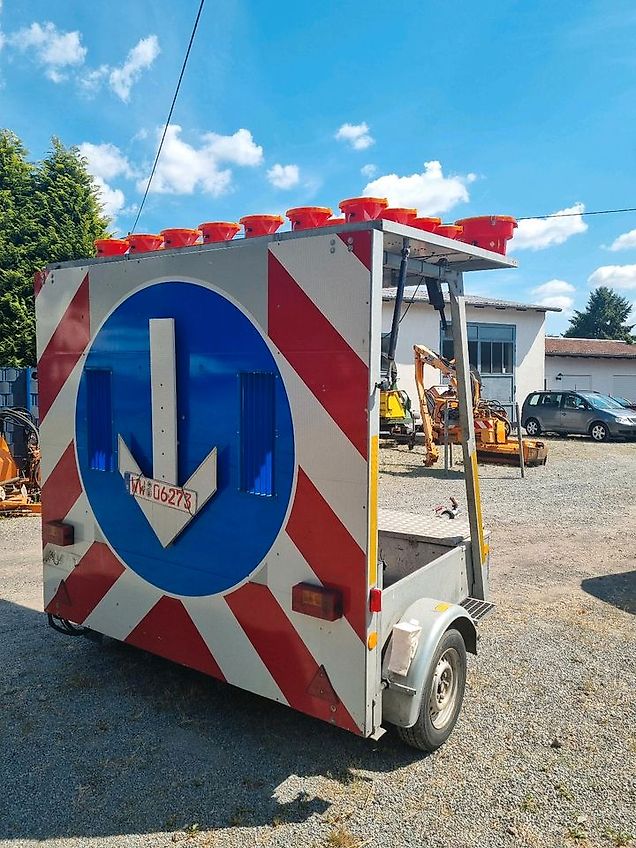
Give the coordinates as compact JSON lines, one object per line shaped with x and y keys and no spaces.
{"x":506,"y":342}
{"x":593,"y":364}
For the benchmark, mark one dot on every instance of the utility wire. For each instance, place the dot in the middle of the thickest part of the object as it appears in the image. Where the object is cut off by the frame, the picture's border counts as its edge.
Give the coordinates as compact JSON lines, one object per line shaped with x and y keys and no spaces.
{"x":576,"y":214}
{"x":167,"y":124}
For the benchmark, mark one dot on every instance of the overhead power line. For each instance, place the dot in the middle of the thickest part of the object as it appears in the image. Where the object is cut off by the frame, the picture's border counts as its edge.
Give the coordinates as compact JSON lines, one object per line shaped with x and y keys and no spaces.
{"x":576,"y":214}
{"x":169,"y":118}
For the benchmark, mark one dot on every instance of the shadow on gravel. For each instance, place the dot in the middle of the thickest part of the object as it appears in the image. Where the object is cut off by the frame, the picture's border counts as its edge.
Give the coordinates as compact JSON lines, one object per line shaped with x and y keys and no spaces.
{"x":617,"y":589}
{"x":418,"y":469}
{"x":103,"y":740}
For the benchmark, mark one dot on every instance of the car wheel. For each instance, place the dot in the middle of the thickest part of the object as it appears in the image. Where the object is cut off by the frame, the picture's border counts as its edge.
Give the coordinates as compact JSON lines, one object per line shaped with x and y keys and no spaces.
{"x":599,"y":432}
{"x":533,"y":428}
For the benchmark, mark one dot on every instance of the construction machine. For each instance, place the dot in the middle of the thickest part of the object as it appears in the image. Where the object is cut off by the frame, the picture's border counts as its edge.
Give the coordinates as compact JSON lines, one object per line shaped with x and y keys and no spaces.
{"x":439,"y":410}
{"x":398,"y":419}
{"x":19,"y":483}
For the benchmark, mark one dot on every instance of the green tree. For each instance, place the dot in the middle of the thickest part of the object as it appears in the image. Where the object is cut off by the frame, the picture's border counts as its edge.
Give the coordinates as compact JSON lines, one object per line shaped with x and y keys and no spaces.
{"x":604,"y":317}
{"x":49,"y":212}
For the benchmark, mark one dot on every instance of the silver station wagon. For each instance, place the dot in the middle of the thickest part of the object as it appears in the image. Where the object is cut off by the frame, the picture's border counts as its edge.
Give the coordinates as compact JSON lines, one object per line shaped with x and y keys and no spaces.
{"x":590,"y":413}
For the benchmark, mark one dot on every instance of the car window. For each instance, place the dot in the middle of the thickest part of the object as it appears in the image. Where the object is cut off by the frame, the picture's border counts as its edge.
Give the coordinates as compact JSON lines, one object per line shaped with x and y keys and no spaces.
{"x":551,"y":399}
{"x":599,"y":401}
{"x":533,"y":400}
{"x":574,"y":402}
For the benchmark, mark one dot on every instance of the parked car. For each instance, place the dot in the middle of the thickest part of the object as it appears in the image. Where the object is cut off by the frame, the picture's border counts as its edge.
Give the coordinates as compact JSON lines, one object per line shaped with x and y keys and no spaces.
{"x":599,"y":416}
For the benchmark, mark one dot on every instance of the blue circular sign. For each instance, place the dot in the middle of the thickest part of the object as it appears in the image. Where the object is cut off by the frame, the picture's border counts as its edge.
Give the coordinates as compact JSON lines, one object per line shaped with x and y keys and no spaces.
{"x":229,"y":396}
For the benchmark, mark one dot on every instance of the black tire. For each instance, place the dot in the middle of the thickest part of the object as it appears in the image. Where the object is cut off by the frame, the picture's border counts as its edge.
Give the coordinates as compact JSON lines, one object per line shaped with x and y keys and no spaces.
{"x":424,"y":734}
{"x":599,"y":431}
{"x":532,"y":427}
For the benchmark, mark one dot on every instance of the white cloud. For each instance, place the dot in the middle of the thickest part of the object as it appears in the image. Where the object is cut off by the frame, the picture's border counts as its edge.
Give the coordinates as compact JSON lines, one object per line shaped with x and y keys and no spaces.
{"x":55,"y":50}
{"x":553,"y":287}
{"x":113,"y":200}
{"x":624,"y":241}
{"x":105,"y":160}
{"x":538,"y":233}
{"x":183,"y":168}
{"x":369,"y":171}
{"x":237,"y":149}
{"x":139,"y":59}
{"x":614,"y":276}
{"x":92,"y":80}
{"x":430,"y":192}
{"x":283,"y":176}
{"x":104,"y":163}
{"x":356,"y":135}
{"x":557,"y":301}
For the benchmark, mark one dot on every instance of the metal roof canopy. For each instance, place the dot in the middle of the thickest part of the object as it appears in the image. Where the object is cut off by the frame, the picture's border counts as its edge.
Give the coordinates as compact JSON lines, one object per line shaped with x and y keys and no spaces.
{"x":429,"y":253}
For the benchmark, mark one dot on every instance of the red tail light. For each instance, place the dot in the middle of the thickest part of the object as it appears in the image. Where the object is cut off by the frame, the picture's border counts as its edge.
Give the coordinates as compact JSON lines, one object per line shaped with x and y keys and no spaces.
{"x":375,"y":600}
{"x":317,"y":601}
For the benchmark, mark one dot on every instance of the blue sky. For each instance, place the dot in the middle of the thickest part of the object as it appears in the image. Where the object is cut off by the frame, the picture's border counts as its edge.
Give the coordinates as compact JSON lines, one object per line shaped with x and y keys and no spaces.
{"x":498,"y":106}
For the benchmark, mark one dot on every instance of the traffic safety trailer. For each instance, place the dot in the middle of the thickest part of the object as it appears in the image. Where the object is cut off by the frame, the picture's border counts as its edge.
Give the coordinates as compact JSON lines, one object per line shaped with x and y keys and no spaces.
{"x":209,"y":429}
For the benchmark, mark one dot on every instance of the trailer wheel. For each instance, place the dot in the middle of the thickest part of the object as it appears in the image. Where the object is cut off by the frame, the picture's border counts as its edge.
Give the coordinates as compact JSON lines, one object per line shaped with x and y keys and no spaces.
{"x":442,"y":697}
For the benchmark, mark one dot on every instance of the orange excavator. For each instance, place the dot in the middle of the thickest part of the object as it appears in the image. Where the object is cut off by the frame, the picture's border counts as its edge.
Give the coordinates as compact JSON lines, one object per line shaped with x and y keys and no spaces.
{"x":439,"y":409}
{"x":19,"y":484}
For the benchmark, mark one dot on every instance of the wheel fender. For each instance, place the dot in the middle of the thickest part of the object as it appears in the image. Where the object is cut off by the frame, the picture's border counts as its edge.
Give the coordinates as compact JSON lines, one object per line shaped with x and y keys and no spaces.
{"x":402,"y":697}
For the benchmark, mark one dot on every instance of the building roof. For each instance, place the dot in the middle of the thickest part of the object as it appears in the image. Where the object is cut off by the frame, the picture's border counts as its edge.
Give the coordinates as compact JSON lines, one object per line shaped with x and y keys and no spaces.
{"x":418,"y":294}
{"x":597,"y":348}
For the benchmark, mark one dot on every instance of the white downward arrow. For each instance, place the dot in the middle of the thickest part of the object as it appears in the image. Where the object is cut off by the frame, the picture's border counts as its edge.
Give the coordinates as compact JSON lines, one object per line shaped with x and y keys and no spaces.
{"x":168,"y":507}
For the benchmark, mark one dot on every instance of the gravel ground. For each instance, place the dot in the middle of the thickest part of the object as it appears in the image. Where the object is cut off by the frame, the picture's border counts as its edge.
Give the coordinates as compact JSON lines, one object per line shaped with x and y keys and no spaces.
{"x":107,"y":746}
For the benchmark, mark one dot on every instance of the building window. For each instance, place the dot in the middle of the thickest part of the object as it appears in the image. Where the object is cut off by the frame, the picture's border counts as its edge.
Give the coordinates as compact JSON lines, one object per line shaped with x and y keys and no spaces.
{"x":491,"y":347}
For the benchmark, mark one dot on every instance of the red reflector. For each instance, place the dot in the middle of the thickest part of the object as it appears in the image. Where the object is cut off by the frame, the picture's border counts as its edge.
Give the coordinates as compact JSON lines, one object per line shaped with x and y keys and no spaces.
{"x":58,"y":533}
{"x":317,"y":601}
{"x":375,"y":600}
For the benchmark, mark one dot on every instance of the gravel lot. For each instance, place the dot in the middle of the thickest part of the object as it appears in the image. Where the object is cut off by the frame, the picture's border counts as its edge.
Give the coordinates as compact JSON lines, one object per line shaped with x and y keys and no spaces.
{"x":107,"y":746}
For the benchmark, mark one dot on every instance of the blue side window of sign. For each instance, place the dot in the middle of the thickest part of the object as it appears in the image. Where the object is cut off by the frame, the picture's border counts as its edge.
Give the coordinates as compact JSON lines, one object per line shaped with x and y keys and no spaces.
{"x":257,"y":433}
{"x":99,"y":420}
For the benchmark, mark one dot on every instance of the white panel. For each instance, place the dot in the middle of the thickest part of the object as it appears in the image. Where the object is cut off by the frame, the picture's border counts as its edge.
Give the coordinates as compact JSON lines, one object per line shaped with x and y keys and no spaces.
{"x":337,"y":282}
{"x":230,"y":647}
{"x":125,"y":604}
{"x":163,"y":391}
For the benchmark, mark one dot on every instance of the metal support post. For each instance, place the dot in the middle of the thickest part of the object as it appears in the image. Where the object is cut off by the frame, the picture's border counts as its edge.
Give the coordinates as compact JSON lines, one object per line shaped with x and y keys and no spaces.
{"x":446,"y":437}
{"x":479,"y":548}
{"x":522,"y":461}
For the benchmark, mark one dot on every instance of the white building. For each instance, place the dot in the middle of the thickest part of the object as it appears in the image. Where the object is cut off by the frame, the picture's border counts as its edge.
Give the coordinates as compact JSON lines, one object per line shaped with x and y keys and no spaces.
{"x":506,"y":342}
{"x":594,"y":364}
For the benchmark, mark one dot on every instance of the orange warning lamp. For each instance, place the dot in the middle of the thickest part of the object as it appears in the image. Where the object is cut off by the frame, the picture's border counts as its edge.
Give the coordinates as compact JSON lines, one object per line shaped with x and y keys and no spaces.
{"x":261,"y":225}
{"x":399,"y":214}
{"x":308,"y":217}
{"x":488,"y":231}
{"x":317,"y":601}
{"x":363,"y":208}
{"x":214,"y":231}
{"x":144,"y":242}
{"x":451,"y":231}
{"x":428,"y":224}
{"x":179,"y":237}
{"x":111,"y":246}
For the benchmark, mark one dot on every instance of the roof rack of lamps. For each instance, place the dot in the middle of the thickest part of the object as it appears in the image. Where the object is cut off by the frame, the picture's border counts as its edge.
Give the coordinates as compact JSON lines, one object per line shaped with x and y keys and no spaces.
{"x":490,"y":232}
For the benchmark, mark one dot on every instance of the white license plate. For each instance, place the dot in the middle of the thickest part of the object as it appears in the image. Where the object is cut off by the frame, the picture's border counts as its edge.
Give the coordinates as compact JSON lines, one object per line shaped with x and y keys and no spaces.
{"x":157,"y":491}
